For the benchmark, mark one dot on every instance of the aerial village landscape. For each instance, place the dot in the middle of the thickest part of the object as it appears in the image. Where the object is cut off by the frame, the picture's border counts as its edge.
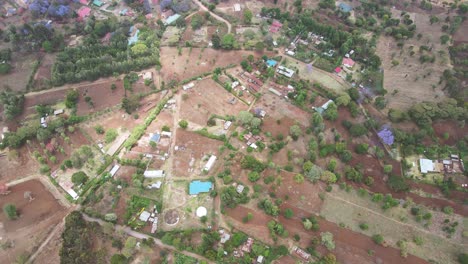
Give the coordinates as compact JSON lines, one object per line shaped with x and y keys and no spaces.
{"x":233,"y":131}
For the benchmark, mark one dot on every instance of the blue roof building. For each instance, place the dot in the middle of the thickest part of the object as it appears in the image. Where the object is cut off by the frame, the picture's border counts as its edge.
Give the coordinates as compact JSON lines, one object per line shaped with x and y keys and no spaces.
{"x":345,"y":7}
{"x":156,"y":137}
{"x":133,"y":39}
{"x":171,"y":19}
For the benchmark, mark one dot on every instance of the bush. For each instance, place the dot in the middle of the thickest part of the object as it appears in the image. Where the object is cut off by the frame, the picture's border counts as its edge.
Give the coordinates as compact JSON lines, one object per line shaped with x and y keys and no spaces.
{"x":397,"y":184}
{"x":288,"y":213}
{"x":253,"y":176}
{"x":378,"y":239}
{"x":183,"y":124}
{"x":327,"y":240}
{"x":363,"y":226}
{"x":10,"y":211}
{"x":448,"y":210}
{"x":362,"y":148}
{"x":111,"y":135}
{"x":99,"y":129}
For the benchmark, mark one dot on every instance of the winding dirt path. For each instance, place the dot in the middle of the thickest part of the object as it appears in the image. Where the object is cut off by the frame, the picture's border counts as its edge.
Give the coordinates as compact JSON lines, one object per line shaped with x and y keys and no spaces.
{"x":214,"y":15}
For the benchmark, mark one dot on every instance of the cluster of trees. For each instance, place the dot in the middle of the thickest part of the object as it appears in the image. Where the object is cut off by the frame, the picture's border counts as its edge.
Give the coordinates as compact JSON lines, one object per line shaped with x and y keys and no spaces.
{"x":77,"y":245}
{"x":251,"y":163}
{"x":94,"y":60}
{"x":276,"y":228}
{"x":228,"y":42}
{"x":231,"y":198}
{"x":269,"y":207}
{"x":33,"y":37}
{"x":12,"y":103}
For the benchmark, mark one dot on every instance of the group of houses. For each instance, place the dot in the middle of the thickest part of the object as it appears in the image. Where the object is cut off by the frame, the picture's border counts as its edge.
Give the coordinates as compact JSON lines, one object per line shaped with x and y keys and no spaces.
{"x":253,"y":83}
{"x":448,"y":166}
{"x":151,"y":217}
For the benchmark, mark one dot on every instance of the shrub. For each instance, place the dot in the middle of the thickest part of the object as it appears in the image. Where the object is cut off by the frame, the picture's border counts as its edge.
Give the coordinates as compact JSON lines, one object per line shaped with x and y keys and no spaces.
{"x":362,"y":148}
{"x":448,"y":210}
{"x":418,"y":240}
{"x":111,"y":135}
{"x":288,"y":213}
{"x":183,"y":124}
{"x":378,"y":239}
{"x":397,"y":184}
{"x":10,"y":211}
{"x":327,"y":240}
{"x":363,"y":226}
{"x":253,"y":176}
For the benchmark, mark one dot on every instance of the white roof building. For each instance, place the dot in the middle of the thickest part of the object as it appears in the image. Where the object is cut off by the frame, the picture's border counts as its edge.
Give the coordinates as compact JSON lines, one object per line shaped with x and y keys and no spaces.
{"x":260,"y":259}
{"x":240,"y":188}
{"x":73,"y":194}
{"x":154,"y":174}
{"x":58,"y":111}
{"x":234,"y":84}
{"x":114,"y":170}
{"x":274,"y":91}
{"x":427,"y":165}
{"x":148,"y":76}
{"x":156,"y":185}
{"x":227,"y":124}
{"x":285,"y":71}
{"x":166,"y":134}
{"x":210,"y":163}
{"x":188,"y":86}
{"x":237,"y":7}
{"x":144,"y":216}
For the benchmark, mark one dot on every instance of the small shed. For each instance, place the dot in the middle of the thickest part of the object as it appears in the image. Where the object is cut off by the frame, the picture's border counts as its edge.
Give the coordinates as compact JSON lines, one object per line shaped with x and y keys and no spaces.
{"x":114,"y":170}
{"x":154,"y":174}
{"x":346,"y":8}
{"x":240,"y":188}
{"x":144,"y":216}
{"x":210,"y":163}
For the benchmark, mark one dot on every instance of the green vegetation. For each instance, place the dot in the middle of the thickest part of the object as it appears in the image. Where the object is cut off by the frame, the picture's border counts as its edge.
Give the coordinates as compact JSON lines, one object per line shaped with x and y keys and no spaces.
{"x":79,"y":178}
{"x":327,"y":240}
{"x":10,"y":211}
{"x":183,"y":124}
{"x":111,"y":135}
{"x":12,"y":104}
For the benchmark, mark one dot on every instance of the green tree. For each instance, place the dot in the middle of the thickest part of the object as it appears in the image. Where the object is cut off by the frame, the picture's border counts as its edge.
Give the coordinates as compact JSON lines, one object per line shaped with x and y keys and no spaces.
{"x":197,"y":21}
{"x":118,"y":259}
{"x":327,"y":240}
{"x":111,"y":135}
{"x":245,"y":117}
{"x":183,"y":124}
{"x":378,"y":239}
{"x":10,"y":211}
{"x":47,"y":46}
{"x":288,"y":213}
{"x":328,"y":176}
{"x":12,"y":103}
{"x":248,"y":16}
{"x":331,"y":113}
{"x":295,"y":131}
{"x":79,"y":178}
{"x":139,"y":49}
{"x":71,"y":98}
{"x":228,"y":41}
{"x":253,"y":176}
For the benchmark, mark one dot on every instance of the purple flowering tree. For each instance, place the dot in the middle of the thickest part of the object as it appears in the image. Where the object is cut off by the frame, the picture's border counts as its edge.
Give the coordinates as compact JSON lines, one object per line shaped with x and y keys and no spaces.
{"x":386,"y":135}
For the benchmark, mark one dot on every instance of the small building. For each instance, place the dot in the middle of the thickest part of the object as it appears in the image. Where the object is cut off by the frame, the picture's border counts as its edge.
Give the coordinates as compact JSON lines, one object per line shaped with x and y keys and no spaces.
{"x":259,"y":112}
{"x":148,"y":76}
{"x":188,"y":86}
{"x":260,"y":259}
{"x":427,"y":165}
{"x":123,"y":12}
{"x":348,"y":62}
{"x":285,"y":71}
{"x":73,"y":194}
{"x":144,"y":216}
{"x":275,"y":26}
{"x":58,"y":112}
{"x":234,"y":84}
{"x":274,"y":91}
{"x":240,"y":188}
{"x":154,"y":174}
{"x":134,"y":32}
{"x":43,"y":122}
{"x":237,"y":8}
{"x":227,"y":124}
{"x":114,"y":170}
{"x":166,"y":134}
{"x":84,"y":12}
{"x":301,"y":253}
{"x":98,"y":3}
{"x":324,"y":107}
{"x":155,"y":137}
{"x":290,"y":53}
{"x":338,"y":69}
{"x":171,"y":19}
{"x":156,"y":185}
{"x":210,"y":163}
{"x":224,"y":236}
{"x":247,"y":246}
{"x":84,"y":2}
{"x":345,"y":7}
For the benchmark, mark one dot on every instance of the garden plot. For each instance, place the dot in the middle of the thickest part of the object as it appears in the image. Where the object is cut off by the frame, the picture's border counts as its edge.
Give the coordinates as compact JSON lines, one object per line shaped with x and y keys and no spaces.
{"x":180,"y":207}
{"x":171,"y":36}
{"x":193,"y":151}
{"x":395,"y":224}
{"x":278,"y":108}
{"x":207,"y":98}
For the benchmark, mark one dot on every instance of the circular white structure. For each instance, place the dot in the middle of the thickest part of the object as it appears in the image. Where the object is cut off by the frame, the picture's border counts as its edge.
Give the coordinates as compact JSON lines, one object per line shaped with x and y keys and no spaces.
{"x":201,"y":211}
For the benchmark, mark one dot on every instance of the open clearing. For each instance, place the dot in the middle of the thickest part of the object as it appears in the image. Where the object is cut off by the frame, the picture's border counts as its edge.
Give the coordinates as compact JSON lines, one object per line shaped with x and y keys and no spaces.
{"x":195,"y":61}
{"x":194,"y":151}
{"x":395,"y":224}
{"x":414,"y":81}
{"x":205,"y":99}
{"x":36,"y":218}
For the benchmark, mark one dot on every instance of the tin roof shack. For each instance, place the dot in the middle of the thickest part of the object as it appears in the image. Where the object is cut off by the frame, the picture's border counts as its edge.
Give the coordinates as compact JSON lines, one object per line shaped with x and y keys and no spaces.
{"x":275,"y":26}
{"x":247,"y":246}
{"x":154,"y":174}
{"x":428,"y":166}
{"x":301,"y":253}
{"x":453,"y":165}
{"x":210,"y":163}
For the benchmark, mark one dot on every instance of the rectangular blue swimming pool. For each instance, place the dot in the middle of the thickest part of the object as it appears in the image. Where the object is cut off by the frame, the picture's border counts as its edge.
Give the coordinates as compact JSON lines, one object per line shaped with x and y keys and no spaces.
{"x":197,"y":187}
